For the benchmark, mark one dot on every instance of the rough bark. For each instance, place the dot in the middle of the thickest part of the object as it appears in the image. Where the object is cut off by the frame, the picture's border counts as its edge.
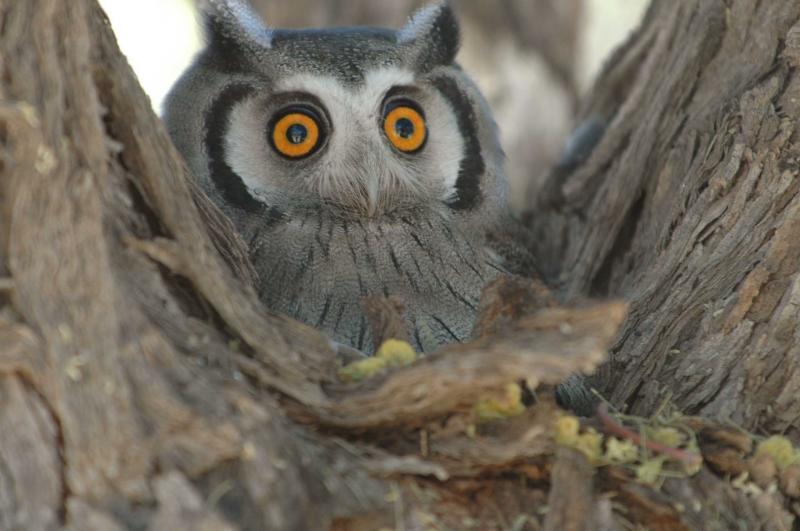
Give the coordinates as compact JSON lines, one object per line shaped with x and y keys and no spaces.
{"x":689,"y":207}
{"x":142,"y":385}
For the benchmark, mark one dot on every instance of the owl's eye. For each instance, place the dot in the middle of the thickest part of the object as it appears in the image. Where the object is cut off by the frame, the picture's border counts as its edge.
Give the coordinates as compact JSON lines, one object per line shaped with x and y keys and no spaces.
{"x":295,"y":132}
{"x":404,"y":126}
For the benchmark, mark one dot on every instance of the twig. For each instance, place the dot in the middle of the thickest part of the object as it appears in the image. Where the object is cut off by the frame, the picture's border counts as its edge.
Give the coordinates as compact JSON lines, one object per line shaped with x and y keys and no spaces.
{"x":663,"y":405}
{"x":612,"y":427}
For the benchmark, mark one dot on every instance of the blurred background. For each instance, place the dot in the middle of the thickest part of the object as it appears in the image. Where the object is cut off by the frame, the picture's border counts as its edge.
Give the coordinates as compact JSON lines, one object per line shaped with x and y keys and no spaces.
{"x":533,"y":59}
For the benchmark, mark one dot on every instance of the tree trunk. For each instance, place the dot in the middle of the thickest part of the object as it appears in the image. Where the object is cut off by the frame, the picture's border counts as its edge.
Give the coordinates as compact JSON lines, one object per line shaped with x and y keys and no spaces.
{"x":689,"y":207}
{"x":143,"y":386}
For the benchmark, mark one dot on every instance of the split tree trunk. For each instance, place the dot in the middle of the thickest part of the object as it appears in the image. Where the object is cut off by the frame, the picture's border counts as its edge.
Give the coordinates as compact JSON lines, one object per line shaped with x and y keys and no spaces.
{"x":142,"y":386}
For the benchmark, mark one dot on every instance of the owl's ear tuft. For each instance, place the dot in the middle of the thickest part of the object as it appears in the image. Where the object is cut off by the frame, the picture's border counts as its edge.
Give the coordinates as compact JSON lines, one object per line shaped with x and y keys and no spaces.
{"x":433,"y":35}
{"x":233,"y":27}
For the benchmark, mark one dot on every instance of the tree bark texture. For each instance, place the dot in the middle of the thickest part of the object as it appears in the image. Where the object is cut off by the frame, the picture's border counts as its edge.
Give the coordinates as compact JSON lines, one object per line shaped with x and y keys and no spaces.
{"x":143,"y":386}
{"x":689,"y":207}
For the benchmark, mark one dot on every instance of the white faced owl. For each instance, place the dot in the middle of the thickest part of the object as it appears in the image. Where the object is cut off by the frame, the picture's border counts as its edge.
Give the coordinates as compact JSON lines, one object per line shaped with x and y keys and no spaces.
{"x":354,"y":162}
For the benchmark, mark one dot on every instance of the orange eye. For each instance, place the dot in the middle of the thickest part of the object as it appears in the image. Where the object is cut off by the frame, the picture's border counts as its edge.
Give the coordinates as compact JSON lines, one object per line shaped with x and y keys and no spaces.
{"x":404,"y":126}
{"x":295,"y":134}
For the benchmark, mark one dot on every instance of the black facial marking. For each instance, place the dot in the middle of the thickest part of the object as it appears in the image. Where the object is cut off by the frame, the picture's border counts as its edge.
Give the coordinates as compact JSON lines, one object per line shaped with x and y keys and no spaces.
{"x":230,"y":185}
{"x":468,"y":184}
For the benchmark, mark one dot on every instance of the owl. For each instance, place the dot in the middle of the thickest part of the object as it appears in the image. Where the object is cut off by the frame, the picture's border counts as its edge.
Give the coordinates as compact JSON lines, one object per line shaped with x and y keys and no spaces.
{"x":354,"y":162}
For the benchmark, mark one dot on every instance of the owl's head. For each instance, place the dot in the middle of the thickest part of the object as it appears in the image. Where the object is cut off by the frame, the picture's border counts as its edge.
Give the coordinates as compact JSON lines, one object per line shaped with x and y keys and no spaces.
{"x":359,"y":121}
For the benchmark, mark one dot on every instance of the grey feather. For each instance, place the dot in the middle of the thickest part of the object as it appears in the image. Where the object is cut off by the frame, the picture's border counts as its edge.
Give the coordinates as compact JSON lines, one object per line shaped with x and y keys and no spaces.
{"x":234,"y":22}
{"x":433,"y":34}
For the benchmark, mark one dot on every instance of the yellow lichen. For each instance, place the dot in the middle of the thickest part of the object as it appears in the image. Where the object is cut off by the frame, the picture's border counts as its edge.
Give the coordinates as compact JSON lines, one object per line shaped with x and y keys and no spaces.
{"x":621,"y":452}
{"x":392,"y":353}
{"x":780,"y":449}
{"x":396,"y":353}
{"x":566,"y":429}
{"x":665,"y":435}
{"x":500,"y":407}
{"x":589,"y":443}
{"x":650,"y":470}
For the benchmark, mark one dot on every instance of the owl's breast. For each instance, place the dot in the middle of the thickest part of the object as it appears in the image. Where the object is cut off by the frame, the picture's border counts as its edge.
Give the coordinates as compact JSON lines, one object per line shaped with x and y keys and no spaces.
{"x":318,"y":269}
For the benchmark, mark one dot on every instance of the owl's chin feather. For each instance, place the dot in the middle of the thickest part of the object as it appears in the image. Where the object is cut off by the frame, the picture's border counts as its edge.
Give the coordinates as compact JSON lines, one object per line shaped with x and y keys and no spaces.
{"x":318,"y":266}
{"x":375,"y":197}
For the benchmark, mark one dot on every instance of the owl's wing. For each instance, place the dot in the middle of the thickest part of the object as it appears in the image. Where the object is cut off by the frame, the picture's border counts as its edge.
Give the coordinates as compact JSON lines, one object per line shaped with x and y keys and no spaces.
{"x":511,"y":242}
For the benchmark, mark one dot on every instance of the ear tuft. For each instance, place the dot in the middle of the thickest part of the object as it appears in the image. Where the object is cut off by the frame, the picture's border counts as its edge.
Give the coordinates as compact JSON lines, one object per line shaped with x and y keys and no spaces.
{"x":433,"y":33}
{"x":233,"y":26}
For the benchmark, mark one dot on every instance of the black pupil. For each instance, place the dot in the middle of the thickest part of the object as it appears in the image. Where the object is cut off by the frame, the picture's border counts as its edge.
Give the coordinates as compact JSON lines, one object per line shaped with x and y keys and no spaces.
{"x":297,"y":133}
{"x":404,"y":128}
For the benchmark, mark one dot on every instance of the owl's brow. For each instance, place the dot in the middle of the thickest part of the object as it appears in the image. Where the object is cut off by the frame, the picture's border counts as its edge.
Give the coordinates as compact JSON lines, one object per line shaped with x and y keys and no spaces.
{"x":404,"y":90}
{"x":280,"y":99}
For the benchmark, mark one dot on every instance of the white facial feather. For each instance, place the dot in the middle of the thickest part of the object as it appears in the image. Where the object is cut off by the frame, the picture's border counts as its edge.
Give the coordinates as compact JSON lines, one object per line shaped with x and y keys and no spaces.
{"x":358,"y":167}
